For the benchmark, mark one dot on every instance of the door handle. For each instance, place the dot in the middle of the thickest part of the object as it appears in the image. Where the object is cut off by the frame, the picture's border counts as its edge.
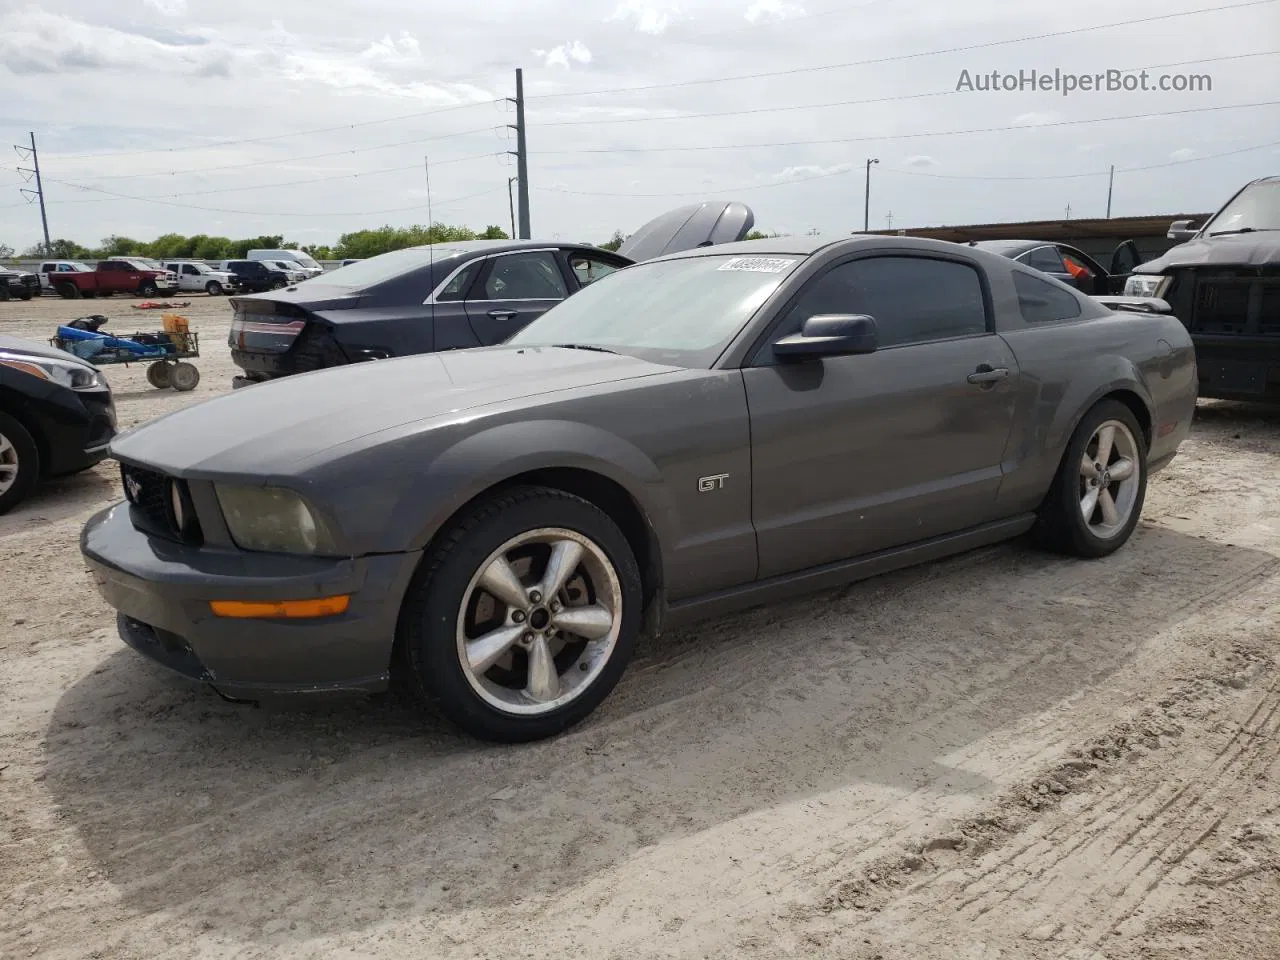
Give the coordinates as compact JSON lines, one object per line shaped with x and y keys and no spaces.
{"x":988,"y":374}
{"x":502,"y":314}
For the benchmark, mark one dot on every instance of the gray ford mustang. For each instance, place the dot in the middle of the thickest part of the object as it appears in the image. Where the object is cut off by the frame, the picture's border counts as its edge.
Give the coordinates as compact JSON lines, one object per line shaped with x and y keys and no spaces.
{"x":691,"y":435}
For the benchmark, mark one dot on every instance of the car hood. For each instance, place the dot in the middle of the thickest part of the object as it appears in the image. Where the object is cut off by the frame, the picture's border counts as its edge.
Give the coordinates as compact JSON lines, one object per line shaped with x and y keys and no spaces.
{"x":277,"y":429}
{"x":34,"y":349}
{"x":1234,"y":250}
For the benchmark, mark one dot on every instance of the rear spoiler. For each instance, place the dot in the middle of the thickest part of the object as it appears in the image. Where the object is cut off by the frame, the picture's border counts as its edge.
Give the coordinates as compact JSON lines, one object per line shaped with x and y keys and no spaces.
{"x":1135,"y":304}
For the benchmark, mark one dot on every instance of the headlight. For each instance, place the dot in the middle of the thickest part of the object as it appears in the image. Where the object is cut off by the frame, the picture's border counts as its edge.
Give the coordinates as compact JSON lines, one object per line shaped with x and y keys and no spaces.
{"x":1145,"y":285}
{"x":273,"y":520}
{"x":66,"y":373}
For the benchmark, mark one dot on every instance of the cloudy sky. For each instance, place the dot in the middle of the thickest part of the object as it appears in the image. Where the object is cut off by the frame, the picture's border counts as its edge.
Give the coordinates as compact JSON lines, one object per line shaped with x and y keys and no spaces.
{"x":312,"y":117}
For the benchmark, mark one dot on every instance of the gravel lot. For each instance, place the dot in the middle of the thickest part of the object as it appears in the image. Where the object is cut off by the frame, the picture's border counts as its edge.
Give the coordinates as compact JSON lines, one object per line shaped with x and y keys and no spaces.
{"x":1002,"y":755}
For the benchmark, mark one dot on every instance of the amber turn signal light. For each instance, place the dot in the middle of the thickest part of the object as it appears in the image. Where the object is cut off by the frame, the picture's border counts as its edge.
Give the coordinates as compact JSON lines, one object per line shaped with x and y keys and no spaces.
{"x":281,"y":609}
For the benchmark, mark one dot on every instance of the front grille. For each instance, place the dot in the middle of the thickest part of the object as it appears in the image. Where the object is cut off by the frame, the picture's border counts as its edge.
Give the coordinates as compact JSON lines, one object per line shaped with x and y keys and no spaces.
{"x":1236,"y":303}
{"x":151,"y":505}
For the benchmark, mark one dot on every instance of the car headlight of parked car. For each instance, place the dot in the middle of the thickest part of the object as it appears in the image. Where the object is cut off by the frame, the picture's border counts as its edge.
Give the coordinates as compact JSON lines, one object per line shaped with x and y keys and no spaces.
{"x":66,"y":373}
{"x":1146,"y":285}
{"x":273,"y":520}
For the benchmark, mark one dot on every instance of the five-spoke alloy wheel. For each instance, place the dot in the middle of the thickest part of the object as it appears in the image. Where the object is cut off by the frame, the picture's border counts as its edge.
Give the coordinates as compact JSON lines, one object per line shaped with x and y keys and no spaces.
{"x":523,"y":616}
{"x":1097,"y":496}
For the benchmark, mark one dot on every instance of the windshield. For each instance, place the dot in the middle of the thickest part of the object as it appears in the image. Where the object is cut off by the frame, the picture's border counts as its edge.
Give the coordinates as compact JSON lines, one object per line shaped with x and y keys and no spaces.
{"x":306,"y":261}
{"x":682,"y":312}
{"x":385,"y":266}
{"x":1256,"y":207}
{"x":142,"y":264}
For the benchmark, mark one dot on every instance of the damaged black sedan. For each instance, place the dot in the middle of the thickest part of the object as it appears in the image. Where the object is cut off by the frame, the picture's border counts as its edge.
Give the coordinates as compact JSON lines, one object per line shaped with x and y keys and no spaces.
{"x":446,"y":296}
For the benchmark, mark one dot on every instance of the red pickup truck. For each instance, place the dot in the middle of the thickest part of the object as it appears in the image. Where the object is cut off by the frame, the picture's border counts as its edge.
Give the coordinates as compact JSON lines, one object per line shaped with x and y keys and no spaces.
{"x":118,"y":275}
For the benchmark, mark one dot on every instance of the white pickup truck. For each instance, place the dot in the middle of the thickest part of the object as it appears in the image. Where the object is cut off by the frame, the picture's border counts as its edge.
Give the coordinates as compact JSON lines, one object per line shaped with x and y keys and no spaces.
{"x":193,"y":277}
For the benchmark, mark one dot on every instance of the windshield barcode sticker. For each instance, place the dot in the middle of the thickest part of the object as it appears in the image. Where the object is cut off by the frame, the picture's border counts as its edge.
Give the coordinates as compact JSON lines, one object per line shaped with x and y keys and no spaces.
{"x":758,"y":264}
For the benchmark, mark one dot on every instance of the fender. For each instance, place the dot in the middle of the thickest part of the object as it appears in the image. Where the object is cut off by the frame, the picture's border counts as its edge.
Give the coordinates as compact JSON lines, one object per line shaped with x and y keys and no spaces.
{"x":1113,"y":373}
{"x":482,"y":460}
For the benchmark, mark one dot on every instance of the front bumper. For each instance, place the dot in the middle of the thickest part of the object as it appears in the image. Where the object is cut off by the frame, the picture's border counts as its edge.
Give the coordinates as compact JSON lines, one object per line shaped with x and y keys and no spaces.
{"x":161,"y":591}
{"x":77,"y":428}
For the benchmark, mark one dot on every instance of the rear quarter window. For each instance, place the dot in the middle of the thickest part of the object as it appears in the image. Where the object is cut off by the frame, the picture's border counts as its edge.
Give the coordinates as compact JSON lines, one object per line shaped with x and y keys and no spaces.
{"x":1043,"y":301}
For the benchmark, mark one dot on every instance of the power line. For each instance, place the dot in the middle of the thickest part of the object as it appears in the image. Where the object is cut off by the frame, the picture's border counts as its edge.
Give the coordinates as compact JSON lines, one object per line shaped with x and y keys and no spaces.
{"x":1095,"y":173}
{"x":279,"y":136}
{"x":314,"y":156}
{"x":903,"y":136}
{"x":268,"y":213}
{"x":851,"y":168}
{"x":898,"y":58}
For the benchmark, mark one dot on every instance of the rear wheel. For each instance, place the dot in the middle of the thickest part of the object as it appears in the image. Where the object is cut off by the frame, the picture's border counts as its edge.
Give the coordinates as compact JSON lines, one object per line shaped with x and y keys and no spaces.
{"x":158,"y":375}
{"x":19,"y":463}
{"x":183,"y":376}
{"x":1097,"y":496}
{"x":522,"y":620}
{"x":68,"y":290}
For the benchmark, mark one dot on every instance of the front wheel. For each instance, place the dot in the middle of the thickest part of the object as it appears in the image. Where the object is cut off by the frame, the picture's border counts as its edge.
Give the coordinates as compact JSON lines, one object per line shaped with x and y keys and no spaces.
{"x":279,"y":284}
{"x":213,"y":288}
{"x":184,"y":376}
{"x":4,"y":293}
{"x":522,"y":620}
{"x":19,"y":463}
{"x":147,"y":289}
{"x":1097,"y":496}
{"x":158,"y":374}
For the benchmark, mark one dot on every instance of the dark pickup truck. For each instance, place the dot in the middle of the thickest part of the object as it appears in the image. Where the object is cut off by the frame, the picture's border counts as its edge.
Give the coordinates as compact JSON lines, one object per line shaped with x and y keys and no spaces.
{"x":18,"y":284}
{"x":1223,"y":282}
{"x":118,"y":275}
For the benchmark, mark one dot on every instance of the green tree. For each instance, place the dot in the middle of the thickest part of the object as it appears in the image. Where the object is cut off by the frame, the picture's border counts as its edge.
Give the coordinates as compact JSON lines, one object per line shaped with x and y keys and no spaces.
{"x":59,"y":250}
{"x":614,"y":242}
{"x":6,"y":251}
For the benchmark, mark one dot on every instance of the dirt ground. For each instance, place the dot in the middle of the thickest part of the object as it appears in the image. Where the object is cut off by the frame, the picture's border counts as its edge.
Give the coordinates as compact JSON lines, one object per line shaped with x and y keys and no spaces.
{"x":1005,"y":755}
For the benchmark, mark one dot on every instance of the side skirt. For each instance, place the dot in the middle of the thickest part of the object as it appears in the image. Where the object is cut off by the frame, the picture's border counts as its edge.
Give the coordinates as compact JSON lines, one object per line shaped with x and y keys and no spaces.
{"x":775,"y":589}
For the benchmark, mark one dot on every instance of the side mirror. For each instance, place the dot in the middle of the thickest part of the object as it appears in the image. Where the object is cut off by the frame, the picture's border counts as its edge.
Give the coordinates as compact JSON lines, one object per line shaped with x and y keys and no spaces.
{"x":1180,"y":231}
{"x":830,"y":335}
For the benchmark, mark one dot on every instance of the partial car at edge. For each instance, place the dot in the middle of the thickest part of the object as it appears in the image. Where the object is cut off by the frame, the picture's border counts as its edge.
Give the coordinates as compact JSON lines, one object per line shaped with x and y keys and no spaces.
{"x":494,"y":527}
{"x":56,"y":417}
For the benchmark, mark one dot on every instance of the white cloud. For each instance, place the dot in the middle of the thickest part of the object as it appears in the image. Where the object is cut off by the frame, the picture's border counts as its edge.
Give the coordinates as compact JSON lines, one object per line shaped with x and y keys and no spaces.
{"x":773,"y":10}
{"x":920,"y":160}
{"x":170,"y":8}
{"x":650,"y":17}
{"x":560,"y":56}
{"x":809,"y":171}
{"x":1183,"y":153}
{"x":399,"y":50}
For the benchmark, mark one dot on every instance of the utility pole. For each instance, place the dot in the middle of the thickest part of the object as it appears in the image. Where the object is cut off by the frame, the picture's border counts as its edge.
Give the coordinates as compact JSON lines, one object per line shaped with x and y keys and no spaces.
{"x":889,"y":219}
{"x":1111,"y":182}
{"x":512,"y":205}
{"x":38,"y":192}
{"x":522,"y":156}
{"x":1068,"y":211}
{"x":866,"y":202}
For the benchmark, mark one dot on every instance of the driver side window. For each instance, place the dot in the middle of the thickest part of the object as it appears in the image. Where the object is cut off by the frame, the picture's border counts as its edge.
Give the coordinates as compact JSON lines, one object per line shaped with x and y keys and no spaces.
{"x":912,"y":299}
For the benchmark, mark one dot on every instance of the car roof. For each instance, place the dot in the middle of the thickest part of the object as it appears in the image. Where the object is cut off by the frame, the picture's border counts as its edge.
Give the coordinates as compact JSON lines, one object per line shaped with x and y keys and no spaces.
{"x":807,"y":246}
{"x":1009,"y":248}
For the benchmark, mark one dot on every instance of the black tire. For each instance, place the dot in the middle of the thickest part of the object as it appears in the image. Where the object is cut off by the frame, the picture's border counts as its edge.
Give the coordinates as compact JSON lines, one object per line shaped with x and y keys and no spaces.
{"x":427,"y":658}
{"x":4,"y":293}
{"x":17,"y":449}
{"x":183,"y":376}
{"x":1062,"y":525}
{"x":28,"y":294}
{"x":68,"y":290}
{"x":278,"y":284}
{"x":158,"y":375}
{"x":147,"y":289}
{"x":213,"y":288}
